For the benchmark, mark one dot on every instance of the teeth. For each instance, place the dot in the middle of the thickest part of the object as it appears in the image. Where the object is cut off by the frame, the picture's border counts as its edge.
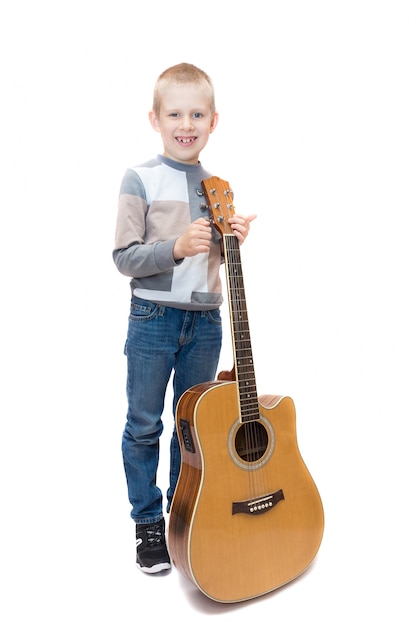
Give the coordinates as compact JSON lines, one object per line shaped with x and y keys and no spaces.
{"x":186,"y":140}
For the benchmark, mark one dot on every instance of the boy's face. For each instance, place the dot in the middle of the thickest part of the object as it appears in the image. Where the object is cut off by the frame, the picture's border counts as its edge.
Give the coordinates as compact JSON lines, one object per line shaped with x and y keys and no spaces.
{"x":185,"y":122}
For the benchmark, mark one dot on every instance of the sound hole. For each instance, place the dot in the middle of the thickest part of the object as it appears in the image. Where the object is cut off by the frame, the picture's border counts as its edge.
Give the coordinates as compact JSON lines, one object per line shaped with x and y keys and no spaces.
{"x":251,"y":441}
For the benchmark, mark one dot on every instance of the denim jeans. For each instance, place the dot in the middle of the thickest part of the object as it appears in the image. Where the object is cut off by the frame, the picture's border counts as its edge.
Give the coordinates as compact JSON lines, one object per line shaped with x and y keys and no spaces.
{"x":160,"y":340}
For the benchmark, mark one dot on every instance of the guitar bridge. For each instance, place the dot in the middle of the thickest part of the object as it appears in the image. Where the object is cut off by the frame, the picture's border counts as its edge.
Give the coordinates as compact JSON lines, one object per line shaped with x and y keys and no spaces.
{"x":258,"y":506}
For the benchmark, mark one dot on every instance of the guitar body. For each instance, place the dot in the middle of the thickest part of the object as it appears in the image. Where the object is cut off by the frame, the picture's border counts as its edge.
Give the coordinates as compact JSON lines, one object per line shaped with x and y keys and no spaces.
{"x":239,"y":527}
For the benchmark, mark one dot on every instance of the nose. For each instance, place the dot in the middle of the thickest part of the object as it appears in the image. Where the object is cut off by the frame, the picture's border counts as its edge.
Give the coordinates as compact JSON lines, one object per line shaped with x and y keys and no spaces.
{"x":187,"y":123}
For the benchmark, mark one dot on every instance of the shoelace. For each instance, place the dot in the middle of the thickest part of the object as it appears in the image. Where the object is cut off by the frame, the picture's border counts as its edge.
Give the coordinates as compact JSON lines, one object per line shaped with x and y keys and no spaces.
{"x":154,"y":535}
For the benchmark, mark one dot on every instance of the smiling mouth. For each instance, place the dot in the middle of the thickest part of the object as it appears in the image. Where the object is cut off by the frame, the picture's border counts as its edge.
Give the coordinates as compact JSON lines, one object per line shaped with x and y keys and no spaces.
{"x":186,"y":141}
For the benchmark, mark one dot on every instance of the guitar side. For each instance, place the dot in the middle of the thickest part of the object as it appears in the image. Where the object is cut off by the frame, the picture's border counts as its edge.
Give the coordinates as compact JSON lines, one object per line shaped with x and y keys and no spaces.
{"x":230,"y":554}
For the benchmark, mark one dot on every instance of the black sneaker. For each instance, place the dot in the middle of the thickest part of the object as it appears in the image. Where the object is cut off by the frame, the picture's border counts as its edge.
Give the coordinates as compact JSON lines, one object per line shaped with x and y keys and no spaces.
{"x":152,"y":555}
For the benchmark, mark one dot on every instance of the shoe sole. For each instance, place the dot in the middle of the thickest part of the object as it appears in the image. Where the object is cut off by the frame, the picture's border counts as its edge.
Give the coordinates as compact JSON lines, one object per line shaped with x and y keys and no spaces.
{"x":154,"y":569}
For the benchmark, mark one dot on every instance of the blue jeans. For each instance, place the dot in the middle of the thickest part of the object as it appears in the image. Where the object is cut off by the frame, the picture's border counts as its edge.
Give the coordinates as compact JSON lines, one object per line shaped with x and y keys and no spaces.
{"x":160,"y":340}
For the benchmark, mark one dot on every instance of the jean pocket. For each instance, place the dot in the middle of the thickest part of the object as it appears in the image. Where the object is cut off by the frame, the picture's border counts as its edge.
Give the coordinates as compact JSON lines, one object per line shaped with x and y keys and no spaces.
{"x":214,"y":316}
{"x":142,"y":309}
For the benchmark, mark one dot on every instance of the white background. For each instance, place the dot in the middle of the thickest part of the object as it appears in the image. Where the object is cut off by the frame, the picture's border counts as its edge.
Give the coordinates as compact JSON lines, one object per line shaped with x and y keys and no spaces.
{"x":317,"y":136}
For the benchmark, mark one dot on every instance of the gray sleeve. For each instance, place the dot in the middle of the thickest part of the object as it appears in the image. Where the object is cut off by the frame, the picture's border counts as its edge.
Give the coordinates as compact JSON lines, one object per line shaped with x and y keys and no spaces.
{"x":140,"y":260}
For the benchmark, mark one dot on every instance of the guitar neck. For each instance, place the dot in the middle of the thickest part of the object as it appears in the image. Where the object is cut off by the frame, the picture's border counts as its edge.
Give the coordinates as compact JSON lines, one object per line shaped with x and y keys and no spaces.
{"x":240,"y":330}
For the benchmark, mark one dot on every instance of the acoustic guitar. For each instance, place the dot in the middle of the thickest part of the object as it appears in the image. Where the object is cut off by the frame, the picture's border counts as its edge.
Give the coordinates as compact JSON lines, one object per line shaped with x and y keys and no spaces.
{"x":246,"y":516}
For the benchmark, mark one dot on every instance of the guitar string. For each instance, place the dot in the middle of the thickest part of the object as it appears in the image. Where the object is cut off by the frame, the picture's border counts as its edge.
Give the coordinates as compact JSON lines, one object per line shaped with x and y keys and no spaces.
{"x":246,"y":385}
{"x":253,"y":442}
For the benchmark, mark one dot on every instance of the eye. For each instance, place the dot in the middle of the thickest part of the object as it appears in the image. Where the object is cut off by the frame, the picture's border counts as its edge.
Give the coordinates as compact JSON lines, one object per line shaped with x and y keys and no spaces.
{"x":175,"y":115}
{"x":197,"y":115}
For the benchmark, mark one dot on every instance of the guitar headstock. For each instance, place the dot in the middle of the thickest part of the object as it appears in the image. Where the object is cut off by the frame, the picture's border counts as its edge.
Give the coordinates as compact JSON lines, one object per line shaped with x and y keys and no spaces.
{"x":220,"y":201}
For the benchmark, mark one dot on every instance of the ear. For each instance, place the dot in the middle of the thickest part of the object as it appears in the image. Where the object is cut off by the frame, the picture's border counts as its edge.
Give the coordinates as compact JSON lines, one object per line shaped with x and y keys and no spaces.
{"x":214,"y":122}
{"x":154,"y":120}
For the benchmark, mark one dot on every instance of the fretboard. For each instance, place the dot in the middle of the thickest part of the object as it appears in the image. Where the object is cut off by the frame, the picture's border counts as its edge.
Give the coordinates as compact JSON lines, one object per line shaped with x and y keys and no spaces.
{"x":240,"y":331}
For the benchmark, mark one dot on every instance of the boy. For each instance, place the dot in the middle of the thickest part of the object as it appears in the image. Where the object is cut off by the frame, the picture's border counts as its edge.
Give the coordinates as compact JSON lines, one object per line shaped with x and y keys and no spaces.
{"x":165,"y":243}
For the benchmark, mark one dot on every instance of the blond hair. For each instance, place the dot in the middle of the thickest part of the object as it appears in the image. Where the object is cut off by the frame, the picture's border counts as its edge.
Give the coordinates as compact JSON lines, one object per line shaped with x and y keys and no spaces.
{"x":183,"y":74}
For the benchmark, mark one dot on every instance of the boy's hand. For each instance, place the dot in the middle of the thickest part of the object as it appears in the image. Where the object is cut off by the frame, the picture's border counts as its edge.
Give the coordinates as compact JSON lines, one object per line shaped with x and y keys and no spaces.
{"x":241,"y":225}
{"x":194,"y":240}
